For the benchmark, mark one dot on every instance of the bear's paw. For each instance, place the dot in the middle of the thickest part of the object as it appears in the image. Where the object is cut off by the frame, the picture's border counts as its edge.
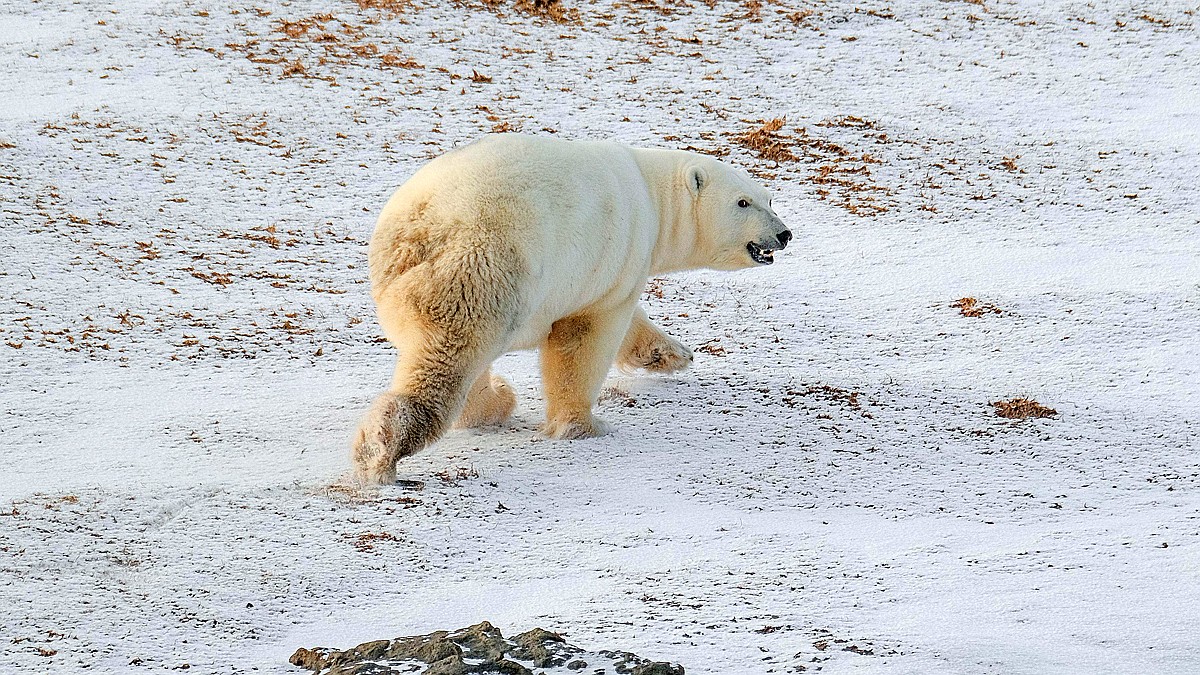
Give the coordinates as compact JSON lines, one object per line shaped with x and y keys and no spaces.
{"x":662,"y":355}
{"x":572,"y":429}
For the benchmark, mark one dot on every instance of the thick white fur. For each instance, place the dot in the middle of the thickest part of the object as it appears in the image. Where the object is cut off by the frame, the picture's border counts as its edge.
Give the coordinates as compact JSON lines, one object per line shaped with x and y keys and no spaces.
{"x":518,"y":242}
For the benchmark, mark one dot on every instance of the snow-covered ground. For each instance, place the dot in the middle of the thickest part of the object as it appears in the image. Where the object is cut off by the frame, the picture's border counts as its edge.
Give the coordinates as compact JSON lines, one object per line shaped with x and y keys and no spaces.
{"x":187,"y":189}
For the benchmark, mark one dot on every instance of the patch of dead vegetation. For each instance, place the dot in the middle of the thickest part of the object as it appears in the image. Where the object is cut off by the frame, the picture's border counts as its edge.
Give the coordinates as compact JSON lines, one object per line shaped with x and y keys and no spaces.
{"x":319,"y":46}
{"x":804,"y":18}
{"x":736,"y":13}
{"x":253,"y":128}
{"x":499,"y":125}
{"x":271,"y":235}
{"x":767,"y":143}
{"x":661,"y":8}
{"x":453,"y":475}
{"x":393,"y":6}
{"x":848,"y":122}
{"x":167,"y":258}
{"x":119,"y":335}
{"x":750,"y":11}
{"x":1161,"y":22}
{"x":554,"y":10}
{"x":970,"y":307}
{"x":83,"y":131}
{"x":655,"y":287}
{"x":826,"y":393}
{"x":841,"y":174}
{"x":345,"y":493}
{"x":89,"y":336}
{"x":366,"y":542}
{"x":394,"y":59}
{"x":1022,"y":408}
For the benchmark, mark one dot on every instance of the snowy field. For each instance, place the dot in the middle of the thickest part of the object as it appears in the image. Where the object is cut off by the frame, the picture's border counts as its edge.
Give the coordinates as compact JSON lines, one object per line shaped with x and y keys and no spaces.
{"x":187,"y":190}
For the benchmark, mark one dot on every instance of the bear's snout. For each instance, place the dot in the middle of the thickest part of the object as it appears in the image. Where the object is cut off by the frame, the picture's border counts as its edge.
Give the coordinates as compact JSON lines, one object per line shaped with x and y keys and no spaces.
{"x":784,"y":237}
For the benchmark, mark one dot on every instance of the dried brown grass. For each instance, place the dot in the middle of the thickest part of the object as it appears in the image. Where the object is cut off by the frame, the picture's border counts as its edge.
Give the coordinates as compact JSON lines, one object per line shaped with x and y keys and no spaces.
{"x":452,"y":475}
{"x":848,"y":122}
{"x":971,"y":307}
{"x":395,"y":6}
{"x":840,"y":172}
{"x":1022,"y":408}
{"x":554,"y":10}
{"x":317,"y":46}
{"x":395,"y":59}
{"x":366,"y":542}
{"x":766,"y":142}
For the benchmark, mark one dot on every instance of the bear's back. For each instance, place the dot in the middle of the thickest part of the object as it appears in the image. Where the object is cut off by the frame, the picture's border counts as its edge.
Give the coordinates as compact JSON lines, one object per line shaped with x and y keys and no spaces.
{"x":530,"y":178}
{"x":506,"y":156}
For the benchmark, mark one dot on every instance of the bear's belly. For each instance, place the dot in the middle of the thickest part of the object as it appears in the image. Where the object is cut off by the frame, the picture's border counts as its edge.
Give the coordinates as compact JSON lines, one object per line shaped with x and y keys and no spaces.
{"x":564,"y":292}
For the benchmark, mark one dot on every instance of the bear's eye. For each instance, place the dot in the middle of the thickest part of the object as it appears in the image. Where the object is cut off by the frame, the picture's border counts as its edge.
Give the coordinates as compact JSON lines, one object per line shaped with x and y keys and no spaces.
{"x":742,"y":203}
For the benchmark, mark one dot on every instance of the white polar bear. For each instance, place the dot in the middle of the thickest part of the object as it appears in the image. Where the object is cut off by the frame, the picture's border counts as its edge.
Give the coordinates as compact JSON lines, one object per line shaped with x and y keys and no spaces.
{"x":520,"y":242}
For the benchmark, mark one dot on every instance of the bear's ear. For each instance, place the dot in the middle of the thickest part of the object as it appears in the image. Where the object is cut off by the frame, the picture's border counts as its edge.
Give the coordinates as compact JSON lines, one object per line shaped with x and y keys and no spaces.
{"x":696,"y":179}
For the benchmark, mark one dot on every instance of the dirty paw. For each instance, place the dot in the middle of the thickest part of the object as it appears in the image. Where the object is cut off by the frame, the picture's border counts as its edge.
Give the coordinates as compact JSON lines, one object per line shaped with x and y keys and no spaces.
{"x":562,"y":430}
{"x":660,"y":356}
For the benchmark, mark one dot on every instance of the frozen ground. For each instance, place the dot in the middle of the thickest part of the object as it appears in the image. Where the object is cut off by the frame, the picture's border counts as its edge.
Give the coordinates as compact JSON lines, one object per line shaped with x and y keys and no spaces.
{"x":187,"y":339}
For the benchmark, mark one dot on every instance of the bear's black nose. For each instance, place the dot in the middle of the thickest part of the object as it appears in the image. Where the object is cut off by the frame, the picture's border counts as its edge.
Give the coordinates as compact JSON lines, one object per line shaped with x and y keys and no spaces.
{"x":784,"y":238}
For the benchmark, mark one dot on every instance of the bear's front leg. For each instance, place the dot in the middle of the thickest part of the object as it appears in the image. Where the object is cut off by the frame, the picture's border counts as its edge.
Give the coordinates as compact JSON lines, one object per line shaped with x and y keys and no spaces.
{"x":646,"y":346}
{"x":576,"y":357}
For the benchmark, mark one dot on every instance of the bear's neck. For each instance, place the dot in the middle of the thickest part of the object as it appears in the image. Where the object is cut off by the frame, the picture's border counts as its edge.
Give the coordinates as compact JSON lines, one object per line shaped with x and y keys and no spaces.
{"x":675,"y":249}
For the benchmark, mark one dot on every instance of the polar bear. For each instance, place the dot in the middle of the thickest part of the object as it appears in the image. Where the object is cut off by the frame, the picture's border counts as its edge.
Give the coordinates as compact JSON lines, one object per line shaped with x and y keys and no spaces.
{"x":520,"y":242}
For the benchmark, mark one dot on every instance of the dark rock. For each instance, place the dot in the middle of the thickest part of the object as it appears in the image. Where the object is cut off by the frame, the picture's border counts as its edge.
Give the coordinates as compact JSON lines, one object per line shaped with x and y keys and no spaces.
{"x":363,"y":668}
{"x":313,"y":659}
{"x":481,"y":641}
{"x":537,"y":636}
{"x":505,"y":667}
{"x":658,"y":668}
{"x":476,"y":650}
{"x":543,"y":648}
{"x":451,"y":665}
{"x":428,"y":648}
{"x":368,"y":650}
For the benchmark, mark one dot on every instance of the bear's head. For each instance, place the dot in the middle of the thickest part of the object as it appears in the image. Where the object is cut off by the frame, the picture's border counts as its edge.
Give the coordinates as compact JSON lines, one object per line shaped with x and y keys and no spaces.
{"x":736,"y":227}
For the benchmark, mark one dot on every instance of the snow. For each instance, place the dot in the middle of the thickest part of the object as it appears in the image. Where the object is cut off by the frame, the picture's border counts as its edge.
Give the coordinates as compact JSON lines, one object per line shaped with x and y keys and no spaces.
{"x":184,"y":236}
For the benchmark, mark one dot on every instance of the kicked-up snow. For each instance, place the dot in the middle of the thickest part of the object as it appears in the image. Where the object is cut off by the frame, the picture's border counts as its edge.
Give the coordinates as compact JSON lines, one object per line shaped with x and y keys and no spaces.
{"x":187,"y":339}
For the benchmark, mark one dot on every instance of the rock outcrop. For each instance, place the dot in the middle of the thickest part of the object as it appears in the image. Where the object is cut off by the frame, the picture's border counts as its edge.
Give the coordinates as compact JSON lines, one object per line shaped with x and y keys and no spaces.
{"x":477,"y":649}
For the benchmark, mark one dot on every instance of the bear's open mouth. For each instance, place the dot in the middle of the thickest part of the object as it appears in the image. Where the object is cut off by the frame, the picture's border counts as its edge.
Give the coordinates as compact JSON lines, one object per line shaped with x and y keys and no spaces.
{"x":759,"y":254}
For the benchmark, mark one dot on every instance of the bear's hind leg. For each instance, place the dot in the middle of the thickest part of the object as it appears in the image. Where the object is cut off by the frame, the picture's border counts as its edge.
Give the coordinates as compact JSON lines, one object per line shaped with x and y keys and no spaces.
{"x":576,"y":357}
{"x":490,"y":402}
{"x":646,"y":346}
{"x":434,"y":370}
{"x":395,"y":426}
